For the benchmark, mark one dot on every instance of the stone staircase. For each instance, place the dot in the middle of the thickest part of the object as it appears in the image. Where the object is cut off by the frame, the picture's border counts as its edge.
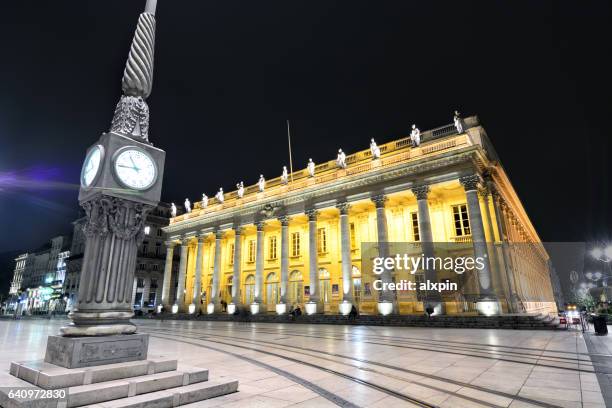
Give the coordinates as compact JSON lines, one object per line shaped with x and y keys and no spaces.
{"x":507,"y":321}
{"x":157,"y":382}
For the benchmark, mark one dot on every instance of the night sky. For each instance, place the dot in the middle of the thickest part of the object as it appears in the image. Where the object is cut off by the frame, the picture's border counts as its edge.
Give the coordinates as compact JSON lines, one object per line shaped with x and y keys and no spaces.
{"x":229,"y":73}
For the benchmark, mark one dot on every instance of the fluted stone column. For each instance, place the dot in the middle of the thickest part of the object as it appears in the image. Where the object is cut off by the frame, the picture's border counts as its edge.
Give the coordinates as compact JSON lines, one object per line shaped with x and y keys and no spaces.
{"x":383,"y":247}
{"x":427,"y":244}
{"x":313,"y":261}
{"x":470,"y":184}
{"x":259,"y":262}
{"x":168,"y":274}
{"x":513,"y":299}
{"x":237,"y":258}
{"x":196,"y":298}
{"x":180,"y":289}
{"x":495,"y":261}
{"x":284,"y":220}
{"x":345,"y":249}
{"x":215,"y":297}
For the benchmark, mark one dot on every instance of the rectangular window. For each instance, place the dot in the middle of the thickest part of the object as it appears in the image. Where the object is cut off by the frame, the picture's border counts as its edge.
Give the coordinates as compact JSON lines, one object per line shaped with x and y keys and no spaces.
{"x":461,"y":220}
{"x":140,"y":283}
{"x":321,"y":241}
{"x":414,"y":222}
{"x":231,"y":254}
{"x":153,"y":283}
{"x":159,"y":232}
{"x":252,"y":250}
{"x":272,"y":248}
{"x":295,"y":244}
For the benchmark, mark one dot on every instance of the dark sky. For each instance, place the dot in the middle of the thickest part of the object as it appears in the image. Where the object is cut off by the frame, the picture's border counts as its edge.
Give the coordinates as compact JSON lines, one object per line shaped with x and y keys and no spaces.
{"x":229,"y":73}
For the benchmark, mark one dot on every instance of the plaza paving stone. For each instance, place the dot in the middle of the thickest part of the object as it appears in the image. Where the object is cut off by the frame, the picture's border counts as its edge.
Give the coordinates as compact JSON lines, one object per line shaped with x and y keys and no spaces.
{"x":282,"y":365}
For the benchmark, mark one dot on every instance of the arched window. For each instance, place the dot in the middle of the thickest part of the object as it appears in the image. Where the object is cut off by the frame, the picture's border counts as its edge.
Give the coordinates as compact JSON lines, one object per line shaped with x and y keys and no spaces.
{"x":324,"y":285}
{"x":356,"y":276}
{"x":295,"y":293}
{"x":249,"y":289}
{"x":272,"y":290}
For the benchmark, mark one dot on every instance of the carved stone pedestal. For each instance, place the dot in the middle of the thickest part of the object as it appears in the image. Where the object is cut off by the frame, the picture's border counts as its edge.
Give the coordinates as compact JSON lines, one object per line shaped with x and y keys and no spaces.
{"x":76,"y":352}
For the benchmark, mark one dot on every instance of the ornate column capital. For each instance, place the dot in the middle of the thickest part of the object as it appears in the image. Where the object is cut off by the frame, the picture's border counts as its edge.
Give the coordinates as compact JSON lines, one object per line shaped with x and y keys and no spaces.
{"x":218,"y":234}
{"x":185,"y":241}
{"x":169,"y":244}
{"x":379,"y":200}
{"x":238,"y":229}
{"x":312,"y":214}
{"x":284,"y":220}
{"x":421,"y":192}
{"x":484,"y":192}
{"x":343,"y":207}
{"x":201,"y":237}
{"x":471,"y":182}
{"x":260,"y":225}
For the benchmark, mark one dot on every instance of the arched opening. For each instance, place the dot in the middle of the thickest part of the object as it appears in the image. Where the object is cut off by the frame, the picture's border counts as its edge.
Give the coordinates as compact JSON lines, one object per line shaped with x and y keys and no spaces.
{"x":272,"y":291}
{"x":249,"y":289}
{"x":227,"y":295}
{"x":295,"y":291}
{"x":356,"y":276}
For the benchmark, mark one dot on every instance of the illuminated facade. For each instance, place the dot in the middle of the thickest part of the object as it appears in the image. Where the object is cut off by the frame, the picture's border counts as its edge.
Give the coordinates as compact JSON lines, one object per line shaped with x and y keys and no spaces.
{"x":300,"y":241}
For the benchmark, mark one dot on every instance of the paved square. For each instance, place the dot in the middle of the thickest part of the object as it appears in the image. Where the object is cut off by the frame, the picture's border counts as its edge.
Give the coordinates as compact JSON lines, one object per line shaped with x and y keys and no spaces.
{"x":281,"y":365}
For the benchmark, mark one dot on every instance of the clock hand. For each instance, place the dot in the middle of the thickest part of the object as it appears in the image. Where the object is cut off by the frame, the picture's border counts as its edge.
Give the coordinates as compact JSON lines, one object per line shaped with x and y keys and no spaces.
{"x":134,"y":164}
{"x":127,"y":167}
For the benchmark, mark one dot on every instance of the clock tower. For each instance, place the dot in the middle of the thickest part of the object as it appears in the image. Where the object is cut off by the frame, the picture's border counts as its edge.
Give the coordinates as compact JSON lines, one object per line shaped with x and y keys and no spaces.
{"x":121,"y":182}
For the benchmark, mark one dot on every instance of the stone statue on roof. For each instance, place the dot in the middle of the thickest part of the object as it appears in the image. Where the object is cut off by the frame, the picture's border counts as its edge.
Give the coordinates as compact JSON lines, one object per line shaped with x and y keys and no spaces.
{"x":284,"y":176}
{"x":204,"y":201}
{"x":458,"y":122}
{"x":374,"y":149}
{"x":219,"y":196}
{"x":415,"y":136}
{"x":187,"y":205}
{"x":311,"y":168}
{"x":341,"y":159}
{"x":173,"y":210}
{"x":261,"y":183}
{"x":240,"y":187}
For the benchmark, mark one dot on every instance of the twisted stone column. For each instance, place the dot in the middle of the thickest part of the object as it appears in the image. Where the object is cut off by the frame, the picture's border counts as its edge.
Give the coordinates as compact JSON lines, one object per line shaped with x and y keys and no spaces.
{"x":259,"y":262}
{"x":237,"y":258}
{"x":284,"y":220}
{"x":168,"y":274}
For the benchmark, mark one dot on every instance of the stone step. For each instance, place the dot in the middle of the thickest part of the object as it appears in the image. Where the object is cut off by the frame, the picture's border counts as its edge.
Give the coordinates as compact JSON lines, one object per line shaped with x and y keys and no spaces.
{"x":111,"y":390}
{"x":50,"y":376}
{"x":176,"y":396}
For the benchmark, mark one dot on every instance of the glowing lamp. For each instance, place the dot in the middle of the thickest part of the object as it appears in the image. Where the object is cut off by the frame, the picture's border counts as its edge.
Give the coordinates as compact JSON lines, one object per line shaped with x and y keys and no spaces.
{"x":254,"y":308}
{"x":311,"y":308}
{"x":281,"y":308}
{"x":210,"y":308}
{"x":488,"y":307}
{"x":175,"y":308}
{"x":385,"y":308}
{"x":345,"y":308}
{"x":231,"y":308}
{"x":191,"y":308}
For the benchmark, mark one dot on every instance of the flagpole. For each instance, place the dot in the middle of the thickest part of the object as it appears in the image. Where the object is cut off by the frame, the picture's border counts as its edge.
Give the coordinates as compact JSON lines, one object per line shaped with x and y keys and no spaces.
{"x":290,"y":159}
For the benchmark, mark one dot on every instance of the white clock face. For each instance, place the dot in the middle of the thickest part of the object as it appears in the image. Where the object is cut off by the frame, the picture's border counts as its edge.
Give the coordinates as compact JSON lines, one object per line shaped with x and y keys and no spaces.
{"x":91,"y":166}
{"x":135,"y":169}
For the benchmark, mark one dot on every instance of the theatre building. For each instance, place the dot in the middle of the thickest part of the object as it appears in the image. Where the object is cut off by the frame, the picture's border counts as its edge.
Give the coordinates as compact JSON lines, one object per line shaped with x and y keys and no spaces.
{"x":308,"y":238}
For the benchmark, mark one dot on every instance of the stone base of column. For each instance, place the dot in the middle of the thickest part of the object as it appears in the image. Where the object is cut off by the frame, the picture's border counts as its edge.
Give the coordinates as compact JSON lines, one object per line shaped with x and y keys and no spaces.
{"x":214,"y":307}
{"x":254,"y":308}
{"x":232,"y":307}
{"x":437,"y":306}
{"x":75,"y":352}
{"x":281,"y":308}
{"x":345,"y":307}
{"x":488,"y":306}
{"x":385,"y":307}
{"x":314,"y":307}
{"x":192,"y":308}
{"x":106,"y":323}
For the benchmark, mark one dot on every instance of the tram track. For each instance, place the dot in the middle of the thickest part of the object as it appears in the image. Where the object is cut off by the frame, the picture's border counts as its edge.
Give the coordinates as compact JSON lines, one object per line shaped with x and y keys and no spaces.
{"x":538,"y":360}
{"x":306,"y":352}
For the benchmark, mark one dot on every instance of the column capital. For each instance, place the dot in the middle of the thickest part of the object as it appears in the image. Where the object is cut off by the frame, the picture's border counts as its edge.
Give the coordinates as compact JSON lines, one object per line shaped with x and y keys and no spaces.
{"x":484,"y":192}
{"x":201,"y":237}
{"x":169,"y":244}
{"x":379,"y":200}
{"x":238,"y":229}
{"x":185,"y":241}
{"x":471,"y":182}
{"x":343,"y":207}
{"x":260,"y":225}
{"x":284,"y":220}
{"x":312,"y":214}
{"x":421,"y":191}
{"x":218,"y":234}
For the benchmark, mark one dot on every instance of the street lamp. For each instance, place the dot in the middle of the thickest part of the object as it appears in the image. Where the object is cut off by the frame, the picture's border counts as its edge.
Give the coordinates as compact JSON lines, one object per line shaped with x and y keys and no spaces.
{"x":603,"y":255}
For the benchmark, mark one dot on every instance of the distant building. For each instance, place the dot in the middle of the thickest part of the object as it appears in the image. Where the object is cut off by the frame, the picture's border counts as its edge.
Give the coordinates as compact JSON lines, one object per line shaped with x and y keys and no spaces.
{"x":38,"y":278}
{"x":147,"y":286}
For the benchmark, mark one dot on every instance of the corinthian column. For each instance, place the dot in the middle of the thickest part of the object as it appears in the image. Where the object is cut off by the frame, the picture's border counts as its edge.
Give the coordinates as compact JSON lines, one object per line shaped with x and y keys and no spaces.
{"x":345,"y":249}
{"x":284,"y":220}
{"x":487,"y":304}
{"x":167,"y":274}
{"x":314,"y":304}
{"x":386,"y":297}
{"x":259,"y":261}
{"x":426,"y":237}
{"x":196,"y":298}
{"x":237,"y":258}
{"x":180,"y":289}
{"x":113,"y":231}
{"x":215,"y":300}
